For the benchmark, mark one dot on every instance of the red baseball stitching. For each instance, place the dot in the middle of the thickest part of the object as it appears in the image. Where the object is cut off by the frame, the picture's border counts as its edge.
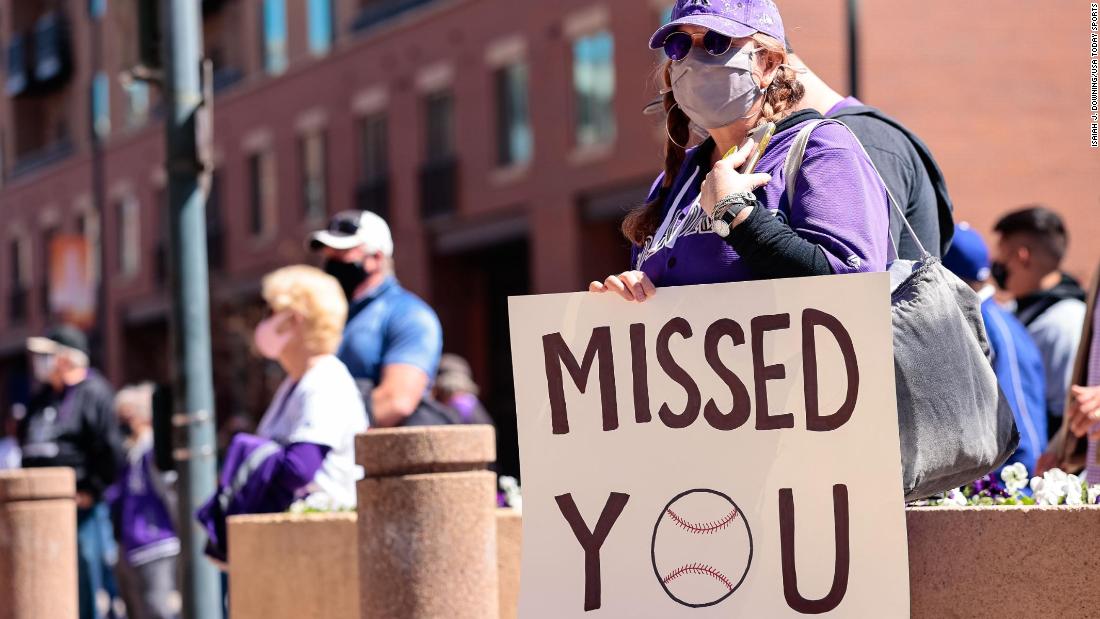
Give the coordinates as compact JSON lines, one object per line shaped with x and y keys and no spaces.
{"x":705,"y":528}
{"x":702,"y":570}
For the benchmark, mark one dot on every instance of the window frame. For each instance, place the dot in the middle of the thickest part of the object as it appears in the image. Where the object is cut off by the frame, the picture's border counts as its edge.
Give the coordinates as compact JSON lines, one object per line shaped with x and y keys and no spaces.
{"x":582,"y":102}
{"x":263,"y":208}
{"x":380,"y":119}
{"x":274,"y":57}
{"x":513,"y":113}
{"x":311,"y":43}
{"x":318,"y":136}
{"x":128,"y":236}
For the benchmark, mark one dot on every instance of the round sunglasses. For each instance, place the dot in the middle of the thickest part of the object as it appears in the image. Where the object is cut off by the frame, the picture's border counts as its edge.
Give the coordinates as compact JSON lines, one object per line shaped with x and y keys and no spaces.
{"x":678,"y":44}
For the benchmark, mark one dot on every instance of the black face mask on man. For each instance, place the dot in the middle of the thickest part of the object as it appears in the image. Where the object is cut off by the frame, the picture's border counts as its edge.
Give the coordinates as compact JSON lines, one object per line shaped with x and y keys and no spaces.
{"x":999,"y":273}
{"x":350,"y":275}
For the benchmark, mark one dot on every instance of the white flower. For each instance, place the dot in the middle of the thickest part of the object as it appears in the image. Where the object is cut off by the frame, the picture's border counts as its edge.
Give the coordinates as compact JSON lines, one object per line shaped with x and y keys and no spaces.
{"x":1043,"y":497}
{"x":1037,"y":485}
{"x":1074,"y":486}
{"x":1014,"y":477}
{"x":1094,"y":493}
{"x":1055,"y":476}
{"x":510,"y":487}
{"x":321,"y":502}
{"x":954,"y":497}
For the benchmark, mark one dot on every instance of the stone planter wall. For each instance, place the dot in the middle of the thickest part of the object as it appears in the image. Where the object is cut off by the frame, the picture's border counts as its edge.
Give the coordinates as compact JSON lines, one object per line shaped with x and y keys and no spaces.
{"x":509,"y":542}
{"x":968,"y":563}
{"x":287,"y":566}
{"x":978,"y":562}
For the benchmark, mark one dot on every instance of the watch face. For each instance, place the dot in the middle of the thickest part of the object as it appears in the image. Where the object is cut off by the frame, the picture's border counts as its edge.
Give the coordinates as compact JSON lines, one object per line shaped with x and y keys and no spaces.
{"x":720,"y":227}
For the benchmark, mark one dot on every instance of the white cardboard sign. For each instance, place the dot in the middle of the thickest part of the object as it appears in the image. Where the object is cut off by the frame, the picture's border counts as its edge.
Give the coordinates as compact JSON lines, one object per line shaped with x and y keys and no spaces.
{"x":718,"y":451}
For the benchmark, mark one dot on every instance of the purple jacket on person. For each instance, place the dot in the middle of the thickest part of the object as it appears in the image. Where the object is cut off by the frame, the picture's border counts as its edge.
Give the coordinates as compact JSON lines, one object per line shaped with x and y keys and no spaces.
{"x":244,"y":487}
{"x":840,"y":204}
{"x":139,"y":504}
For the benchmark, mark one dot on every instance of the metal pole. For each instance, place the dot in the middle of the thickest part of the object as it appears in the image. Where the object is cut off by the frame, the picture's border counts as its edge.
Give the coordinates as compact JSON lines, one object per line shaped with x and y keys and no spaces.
{"x":193,"y":418}
{"x":99,"y":202}
{"x":853,"y":48}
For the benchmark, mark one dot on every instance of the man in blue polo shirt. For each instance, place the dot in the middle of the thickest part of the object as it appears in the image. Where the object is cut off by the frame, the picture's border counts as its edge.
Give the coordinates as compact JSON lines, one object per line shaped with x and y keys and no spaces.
{"x":393,"y":339}
{"x":1016,"y":360}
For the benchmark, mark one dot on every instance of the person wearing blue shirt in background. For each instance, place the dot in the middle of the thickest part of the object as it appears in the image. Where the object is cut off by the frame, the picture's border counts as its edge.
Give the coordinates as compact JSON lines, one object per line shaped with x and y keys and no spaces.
{"x":1016,"y":360}
{"x":393,"y":339}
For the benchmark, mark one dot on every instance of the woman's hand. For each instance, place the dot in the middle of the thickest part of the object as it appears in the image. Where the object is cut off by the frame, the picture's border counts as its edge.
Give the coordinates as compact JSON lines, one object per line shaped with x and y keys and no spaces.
{"x":631,"y":285}
{"x":1083,"y":413}
{"x":724,"y":180}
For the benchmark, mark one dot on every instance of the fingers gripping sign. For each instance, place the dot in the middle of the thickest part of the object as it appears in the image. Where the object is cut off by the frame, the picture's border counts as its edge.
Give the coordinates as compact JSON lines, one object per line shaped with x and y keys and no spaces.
{"x":631,"y":285}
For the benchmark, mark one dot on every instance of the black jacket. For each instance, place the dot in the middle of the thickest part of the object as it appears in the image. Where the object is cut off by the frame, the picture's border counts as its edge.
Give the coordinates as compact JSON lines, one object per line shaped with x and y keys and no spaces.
{"x":1032,"y":306}
{"x":76,"y":428}
{"x":912,"y":175}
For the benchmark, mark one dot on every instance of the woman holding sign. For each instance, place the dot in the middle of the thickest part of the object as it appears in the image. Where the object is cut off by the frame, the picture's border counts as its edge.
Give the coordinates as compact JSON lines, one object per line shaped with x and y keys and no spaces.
{"x":707,"y":222}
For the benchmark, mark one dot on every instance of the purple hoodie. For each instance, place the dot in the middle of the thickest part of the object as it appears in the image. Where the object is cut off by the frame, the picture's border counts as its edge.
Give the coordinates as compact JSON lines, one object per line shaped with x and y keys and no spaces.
{"x":840,"y":204}
{"x":248,"y":472}
{"x":138,"y":502}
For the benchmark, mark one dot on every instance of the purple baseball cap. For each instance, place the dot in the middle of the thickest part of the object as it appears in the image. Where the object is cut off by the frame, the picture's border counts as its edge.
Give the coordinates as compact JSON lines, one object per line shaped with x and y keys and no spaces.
{"x":733,"y":18}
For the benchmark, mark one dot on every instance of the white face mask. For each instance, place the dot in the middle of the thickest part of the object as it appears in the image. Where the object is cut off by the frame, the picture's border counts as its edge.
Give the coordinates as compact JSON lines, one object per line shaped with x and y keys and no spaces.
{"x":42,"y":367}
{"x":715,"y":91}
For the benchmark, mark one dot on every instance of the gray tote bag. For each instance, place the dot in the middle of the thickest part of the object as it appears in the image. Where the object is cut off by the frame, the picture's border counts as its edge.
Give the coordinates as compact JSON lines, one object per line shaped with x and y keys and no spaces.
{"x":954,"y":422}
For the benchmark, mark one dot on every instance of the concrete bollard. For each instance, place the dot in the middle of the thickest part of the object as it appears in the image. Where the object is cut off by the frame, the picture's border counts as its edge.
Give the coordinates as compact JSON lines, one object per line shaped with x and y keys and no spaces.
{"x":427,"y":523}
{"x":38,"y":544}
{"x":509,"y":544}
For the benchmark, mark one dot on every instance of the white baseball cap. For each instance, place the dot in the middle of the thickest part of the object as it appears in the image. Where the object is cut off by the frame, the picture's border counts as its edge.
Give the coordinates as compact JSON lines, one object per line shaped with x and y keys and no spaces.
{"x":351,"y":229}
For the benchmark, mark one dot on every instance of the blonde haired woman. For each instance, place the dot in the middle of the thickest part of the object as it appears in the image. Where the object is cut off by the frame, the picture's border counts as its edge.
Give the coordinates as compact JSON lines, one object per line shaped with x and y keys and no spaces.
{"x":304,"y":446}
{"x":317,"y":411}
{"x":704,"y":222}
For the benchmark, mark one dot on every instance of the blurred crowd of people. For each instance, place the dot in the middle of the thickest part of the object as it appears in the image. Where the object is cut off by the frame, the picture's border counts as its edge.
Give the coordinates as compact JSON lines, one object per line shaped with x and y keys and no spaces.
{"x":357,"y":350}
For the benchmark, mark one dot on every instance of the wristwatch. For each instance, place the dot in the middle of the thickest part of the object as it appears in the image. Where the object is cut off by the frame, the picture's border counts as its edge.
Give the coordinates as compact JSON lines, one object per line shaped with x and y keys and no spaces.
{"x":727,"y":210}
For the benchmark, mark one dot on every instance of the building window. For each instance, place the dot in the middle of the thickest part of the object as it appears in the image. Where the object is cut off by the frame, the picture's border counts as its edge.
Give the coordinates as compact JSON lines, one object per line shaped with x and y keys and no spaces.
{"x":320,"y":26}
{"x":373,"y":191}
{"x":514,"y":144}
{"x":160,"y":253}
{"x":374,"y":160}
{"x":274,"y":36}
{"x":439,"y":117}
{"x":17,"y":294}
{"x":439,"y":174}
{"x":261,"y":182}
{"x":137,"y":103}
{"x":594,"y":88}
{"x":48,"y":236}
{"x":314,"y":187}
{"x":128,"y":226}
{"x":88,"y":227}
{"x":101,"y":104}
{"x":97,"y":8}
{"x":666,"y":13}
{"x":215,"y":234}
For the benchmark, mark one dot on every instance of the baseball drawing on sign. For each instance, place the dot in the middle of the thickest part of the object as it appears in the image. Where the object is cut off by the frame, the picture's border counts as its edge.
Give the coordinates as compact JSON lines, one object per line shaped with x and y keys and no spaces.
{"x":702,"y":548}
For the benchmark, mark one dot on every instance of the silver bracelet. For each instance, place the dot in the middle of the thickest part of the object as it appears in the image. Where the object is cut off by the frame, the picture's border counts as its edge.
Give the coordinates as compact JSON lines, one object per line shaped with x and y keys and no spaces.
{"x":738,"y":199}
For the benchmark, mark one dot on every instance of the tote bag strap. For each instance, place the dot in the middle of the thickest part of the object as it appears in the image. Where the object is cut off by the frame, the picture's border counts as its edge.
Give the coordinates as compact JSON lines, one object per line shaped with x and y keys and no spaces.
{"x":793,"y":163}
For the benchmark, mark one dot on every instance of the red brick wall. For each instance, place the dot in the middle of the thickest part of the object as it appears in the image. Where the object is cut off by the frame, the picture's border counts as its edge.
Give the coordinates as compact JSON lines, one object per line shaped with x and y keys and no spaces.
{"x":997,"y":89}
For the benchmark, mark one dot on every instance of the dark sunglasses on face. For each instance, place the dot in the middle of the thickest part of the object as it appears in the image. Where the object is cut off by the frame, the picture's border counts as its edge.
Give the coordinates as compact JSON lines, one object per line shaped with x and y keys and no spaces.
{"x":678,"y":44}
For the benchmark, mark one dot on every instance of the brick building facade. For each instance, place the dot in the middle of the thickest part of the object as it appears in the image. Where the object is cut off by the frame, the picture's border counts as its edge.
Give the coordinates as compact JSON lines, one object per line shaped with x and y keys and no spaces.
{"x":502,"y":140}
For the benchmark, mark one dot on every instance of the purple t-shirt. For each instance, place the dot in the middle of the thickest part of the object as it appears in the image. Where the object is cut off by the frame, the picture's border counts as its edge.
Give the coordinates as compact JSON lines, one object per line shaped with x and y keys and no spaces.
{"x":846,"y":102}
{"x":840,"y":204}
